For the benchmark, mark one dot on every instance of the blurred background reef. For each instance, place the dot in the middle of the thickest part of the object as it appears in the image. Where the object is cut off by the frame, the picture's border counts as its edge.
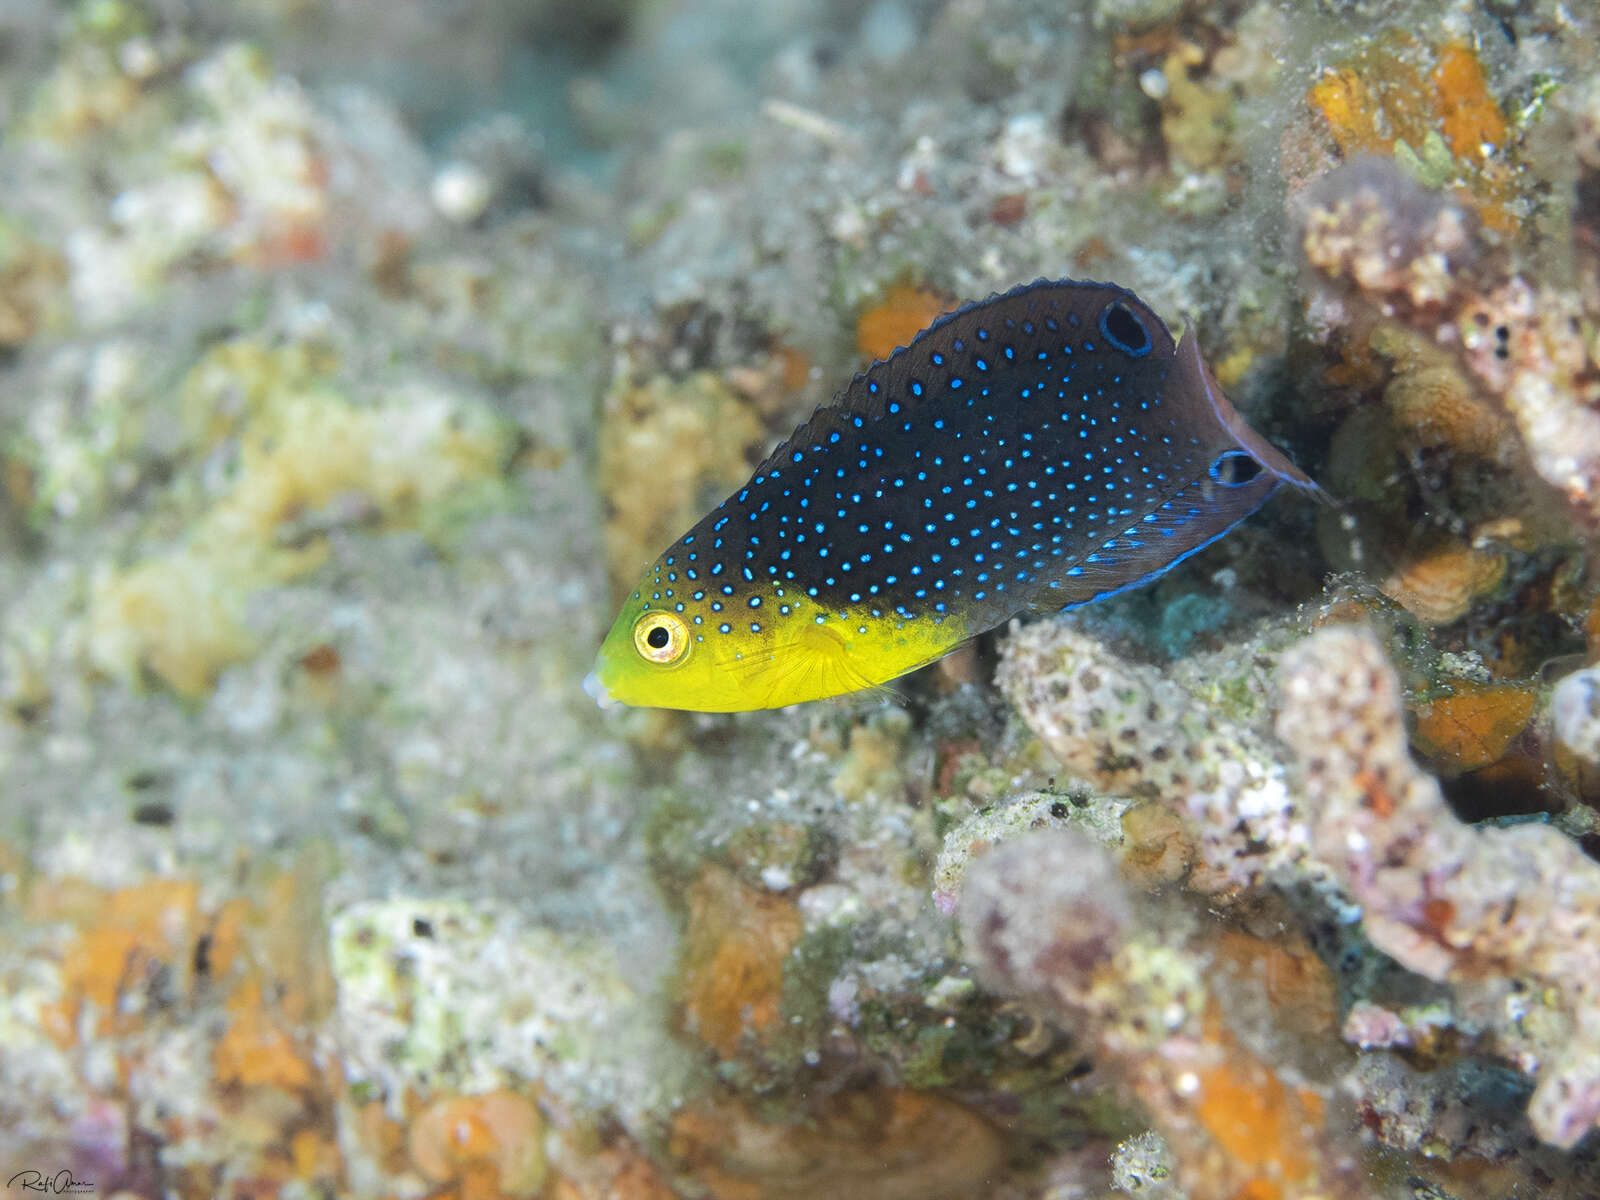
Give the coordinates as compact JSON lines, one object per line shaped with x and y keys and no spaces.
{"x":355,"y":355}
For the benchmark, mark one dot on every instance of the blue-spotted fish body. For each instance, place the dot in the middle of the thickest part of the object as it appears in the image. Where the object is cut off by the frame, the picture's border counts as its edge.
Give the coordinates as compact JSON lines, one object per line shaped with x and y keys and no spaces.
{"x":1039,"y":450}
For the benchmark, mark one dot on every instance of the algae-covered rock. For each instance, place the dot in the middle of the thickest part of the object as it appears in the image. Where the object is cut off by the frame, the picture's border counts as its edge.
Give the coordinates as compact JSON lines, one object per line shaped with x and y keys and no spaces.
{"x":353,"y":355}
{"x":668,"y":450}
{"x":311,"y":459}
{"x":447,"y":997}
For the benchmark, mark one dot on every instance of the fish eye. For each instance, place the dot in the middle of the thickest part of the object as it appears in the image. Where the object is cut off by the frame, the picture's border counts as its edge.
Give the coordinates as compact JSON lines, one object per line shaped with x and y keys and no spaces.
{"x":1234,"y":468}
{"x":660,"y":637}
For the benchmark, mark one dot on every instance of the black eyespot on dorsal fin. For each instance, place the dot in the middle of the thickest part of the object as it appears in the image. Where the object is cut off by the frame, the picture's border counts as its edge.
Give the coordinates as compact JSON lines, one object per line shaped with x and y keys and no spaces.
{"x":984,"y":342}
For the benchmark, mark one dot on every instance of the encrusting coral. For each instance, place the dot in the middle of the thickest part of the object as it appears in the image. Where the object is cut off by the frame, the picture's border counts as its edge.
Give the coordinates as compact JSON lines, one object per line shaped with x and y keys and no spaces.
{"x":1432,"y":109}
{"x":1444,"y":355}
{"x":1477,"y":342}
{"x":1131,"y":731}
{"x":1047,"y":917}
{"x":1575,"y":713}
{"x":1509,"y":915}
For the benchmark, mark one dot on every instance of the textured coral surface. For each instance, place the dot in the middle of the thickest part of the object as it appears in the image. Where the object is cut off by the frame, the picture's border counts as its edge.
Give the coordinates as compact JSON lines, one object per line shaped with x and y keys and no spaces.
{"x":353,"y":355}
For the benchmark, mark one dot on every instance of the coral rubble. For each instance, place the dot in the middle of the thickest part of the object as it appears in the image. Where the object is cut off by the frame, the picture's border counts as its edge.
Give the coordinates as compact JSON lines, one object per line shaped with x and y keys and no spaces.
{"x":353,"y":352}
{"x":1512,"y":916}
{"x":1046,"y":916}
{"x":1133,"y":732}
{"x":1506,"y":916}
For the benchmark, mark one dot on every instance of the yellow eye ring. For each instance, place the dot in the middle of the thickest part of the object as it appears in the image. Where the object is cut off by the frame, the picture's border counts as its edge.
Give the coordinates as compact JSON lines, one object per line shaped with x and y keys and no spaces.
{"x":660,"y":637}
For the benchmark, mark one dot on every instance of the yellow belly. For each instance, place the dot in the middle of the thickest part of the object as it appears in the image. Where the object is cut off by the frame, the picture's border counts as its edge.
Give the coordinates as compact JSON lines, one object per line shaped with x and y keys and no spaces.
{"x":789,"y":661}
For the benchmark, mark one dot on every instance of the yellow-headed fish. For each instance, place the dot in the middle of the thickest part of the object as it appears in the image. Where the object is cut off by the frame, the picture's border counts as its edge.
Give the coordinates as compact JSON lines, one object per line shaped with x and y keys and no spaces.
{"x":1038,"y":450}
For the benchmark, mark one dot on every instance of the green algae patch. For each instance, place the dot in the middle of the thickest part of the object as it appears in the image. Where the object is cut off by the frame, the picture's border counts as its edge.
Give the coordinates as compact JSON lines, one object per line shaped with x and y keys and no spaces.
{"x":926,"y":1067}
{"x":32,"y":284}
{"x":308,"y":461}
{"x":95,"y":85}
{"x":667,"y":448}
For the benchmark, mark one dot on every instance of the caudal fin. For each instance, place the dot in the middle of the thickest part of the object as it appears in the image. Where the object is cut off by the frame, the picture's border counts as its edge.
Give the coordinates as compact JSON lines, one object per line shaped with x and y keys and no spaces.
{"x":1194,"y":378}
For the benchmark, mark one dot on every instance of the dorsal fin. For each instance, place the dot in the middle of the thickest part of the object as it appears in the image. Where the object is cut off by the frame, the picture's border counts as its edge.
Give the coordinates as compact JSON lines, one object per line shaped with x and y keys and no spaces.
{"x":916,"y":373}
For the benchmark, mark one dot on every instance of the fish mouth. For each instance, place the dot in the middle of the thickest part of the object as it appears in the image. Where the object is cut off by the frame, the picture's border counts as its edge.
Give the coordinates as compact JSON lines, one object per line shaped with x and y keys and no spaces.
{"x":596,"y":691}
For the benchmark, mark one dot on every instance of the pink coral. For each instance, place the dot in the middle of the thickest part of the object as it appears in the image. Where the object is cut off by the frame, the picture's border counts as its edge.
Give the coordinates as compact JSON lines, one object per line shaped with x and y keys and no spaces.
{"x":1511,"y":916}
{"x":1046,"y":915}
{"x":1133,"y":732}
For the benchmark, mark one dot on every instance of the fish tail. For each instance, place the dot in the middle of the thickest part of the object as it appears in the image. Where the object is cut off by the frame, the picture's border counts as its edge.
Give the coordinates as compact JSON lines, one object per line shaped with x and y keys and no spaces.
{"x":1194,"y":378}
